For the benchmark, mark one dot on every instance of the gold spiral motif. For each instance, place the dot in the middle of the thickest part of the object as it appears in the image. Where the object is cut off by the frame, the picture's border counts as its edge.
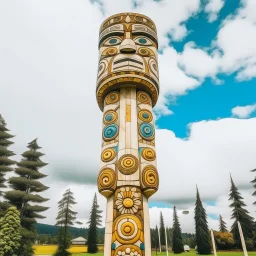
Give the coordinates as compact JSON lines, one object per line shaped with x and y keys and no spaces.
{"x":127,"y":229}
{"x":150,"y":177}
{"x":145,"y":115}
{"x":112,"y":98}
{"x":144,"y":98}
{"x":128,"y":164}
{"x":148,"y":154}
{"x":106,"y":179}
{"x":108,"y":154}
{"x":110,"y":117}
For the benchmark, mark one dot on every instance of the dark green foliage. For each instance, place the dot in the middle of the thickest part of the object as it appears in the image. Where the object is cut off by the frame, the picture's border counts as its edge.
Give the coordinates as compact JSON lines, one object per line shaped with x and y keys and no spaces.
{"x":24,"y":195}
{"x":222,"y":225}
{"x":202,"y":231}
{"x":66,"y":218}
{"x":239,"y":213}
{"x":5,"y":162}
{"x":10,"y":230}
{"x":94,"y":222}
{"x":154,"y":238}
{"x":254,"y":185}
{"x":177,"y":244}
{"x":162,"y":230}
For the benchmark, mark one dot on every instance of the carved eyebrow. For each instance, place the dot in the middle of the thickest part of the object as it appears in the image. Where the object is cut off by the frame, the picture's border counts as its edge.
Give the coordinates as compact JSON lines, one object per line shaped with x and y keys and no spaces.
{"x":116,"y":33}
{"x":140,"y":33}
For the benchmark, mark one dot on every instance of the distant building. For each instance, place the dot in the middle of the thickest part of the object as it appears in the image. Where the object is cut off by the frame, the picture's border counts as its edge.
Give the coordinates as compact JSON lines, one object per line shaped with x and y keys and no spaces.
{"x":78,"y":241}
{"x":186,"y":248}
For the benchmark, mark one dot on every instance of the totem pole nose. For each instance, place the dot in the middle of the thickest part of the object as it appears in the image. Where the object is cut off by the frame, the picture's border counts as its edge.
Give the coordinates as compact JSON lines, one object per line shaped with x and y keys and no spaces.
{"x":127,"y":46}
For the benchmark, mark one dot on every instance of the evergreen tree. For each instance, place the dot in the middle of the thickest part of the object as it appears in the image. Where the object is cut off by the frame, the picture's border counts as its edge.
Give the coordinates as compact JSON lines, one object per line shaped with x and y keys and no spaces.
{"x":223,"y":225}
{"x":162,"y":230}
{"x":239,"y":213}
{"x":202,"y":231}
{"x":65,"y":219}
{"x":24,"y":195}
{"x":5,"y":162}
{"x":10,"y":229}
{"x":177,"y":244}
{"x":94,"y":222}
{"x":254,"y":185}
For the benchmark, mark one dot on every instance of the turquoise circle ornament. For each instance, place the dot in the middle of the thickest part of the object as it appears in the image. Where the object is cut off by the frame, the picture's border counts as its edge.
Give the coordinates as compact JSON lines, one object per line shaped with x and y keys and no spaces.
{"x":147,"y":131}
{"x":110,"y":132}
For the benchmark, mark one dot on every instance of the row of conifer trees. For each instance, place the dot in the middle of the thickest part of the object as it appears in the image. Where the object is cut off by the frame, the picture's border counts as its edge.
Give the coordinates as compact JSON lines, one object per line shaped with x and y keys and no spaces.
{"x":23,"y":195}
{"x":224,"y":238}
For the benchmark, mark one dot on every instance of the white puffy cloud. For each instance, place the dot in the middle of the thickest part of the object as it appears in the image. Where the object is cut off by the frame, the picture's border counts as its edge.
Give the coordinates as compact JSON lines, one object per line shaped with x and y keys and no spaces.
{"x":232,"y":51}
{"x":212,"y":8}
{"x":243,"y":111}
{"x":169,"y":16}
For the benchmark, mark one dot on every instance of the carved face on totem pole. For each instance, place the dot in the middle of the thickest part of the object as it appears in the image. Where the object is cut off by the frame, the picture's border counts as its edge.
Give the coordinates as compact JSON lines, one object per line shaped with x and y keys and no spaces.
{"x":127,"y":54}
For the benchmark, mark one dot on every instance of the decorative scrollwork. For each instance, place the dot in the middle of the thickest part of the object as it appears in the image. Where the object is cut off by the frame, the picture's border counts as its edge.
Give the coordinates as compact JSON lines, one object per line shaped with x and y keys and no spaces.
{"x":107,"y":181}
{"x":147,"y":131}
{"x":110,"y":117}
{"x":128,"y":250}
{"x":145,"y":115}
{"x":108,"y":154}
{"x":150,"y":180}
{"x":112,"y":98}
{"x":148,"y":154}
{"x":110,"y":132}
{"x":143,"y":97}
{"x":128,"y":164}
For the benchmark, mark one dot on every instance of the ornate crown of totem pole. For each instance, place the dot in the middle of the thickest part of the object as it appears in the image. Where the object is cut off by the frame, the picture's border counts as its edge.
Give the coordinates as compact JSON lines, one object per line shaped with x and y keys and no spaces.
{"x":127,"y":89}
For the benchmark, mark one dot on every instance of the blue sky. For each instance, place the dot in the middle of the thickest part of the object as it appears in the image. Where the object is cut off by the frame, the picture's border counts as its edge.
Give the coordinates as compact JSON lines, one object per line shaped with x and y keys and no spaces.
{"x":210,"y":101}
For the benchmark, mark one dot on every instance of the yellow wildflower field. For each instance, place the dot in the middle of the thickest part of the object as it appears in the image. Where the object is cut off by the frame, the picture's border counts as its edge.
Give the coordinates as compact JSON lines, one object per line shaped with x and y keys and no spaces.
{"x":51,"y":249}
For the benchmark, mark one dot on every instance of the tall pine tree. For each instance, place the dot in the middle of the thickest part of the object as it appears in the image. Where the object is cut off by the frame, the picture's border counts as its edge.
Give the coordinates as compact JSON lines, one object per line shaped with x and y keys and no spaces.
{"x":177,"y":244}
{"x":239,"y":213}
{"x":254,"y":185}
{"x":5,"y":162}
{"x":202,"y":231}
{"x":162,"y":230}
{"x":65,"y":219}
{"x":24,"y":195}
{"x":222,"y":225}
{"x":94,"y":222}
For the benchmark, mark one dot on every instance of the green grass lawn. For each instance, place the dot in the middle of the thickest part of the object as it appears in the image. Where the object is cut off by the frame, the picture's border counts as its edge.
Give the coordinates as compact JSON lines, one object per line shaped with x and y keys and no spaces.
{"x":192,"y":253}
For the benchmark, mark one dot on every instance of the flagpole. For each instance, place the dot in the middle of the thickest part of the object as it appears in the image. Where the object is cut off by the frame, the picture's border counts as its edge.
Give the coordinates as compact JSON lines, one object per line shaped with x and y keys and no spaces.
{"x":213,"y":243}
{"x":166,"y":242}
{"x":159,"y":239}
{"x":242,"y":238}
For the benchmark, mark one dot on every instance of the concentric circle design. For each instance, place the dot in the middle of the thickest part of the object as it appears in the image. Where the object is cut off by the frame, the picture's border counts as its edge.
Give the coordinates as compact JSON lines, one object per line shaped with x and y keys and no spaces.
{"x":144,"y":52}
{"x":144,"y":98}
{"x":148,"y":154}
{"x":150,"y":177}
{"x":106,"y":179}
{"x":128,"y":164}
{"x":108,"y":154}
{"x":127,"y":229}
{"x":145,"y":115}
{"x":147,"y":131}
{"x":110,"y":117}
{"x":112,"y":98}
{"x":110,"y":132}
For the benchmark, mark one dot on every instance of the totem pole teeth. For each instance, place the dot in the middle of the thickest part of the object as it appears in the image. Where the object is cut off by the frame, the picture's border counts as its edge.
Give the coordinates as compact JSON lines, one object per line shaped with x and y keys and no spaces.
{"x":127,"y":89}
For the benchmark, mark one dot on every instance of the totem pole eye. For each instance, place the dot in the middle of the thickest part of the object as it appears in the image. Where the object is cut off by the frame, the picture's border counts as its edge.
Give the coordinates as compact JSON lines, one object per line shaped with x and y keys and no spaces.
{"x":143,"y":41}
{"x":112,"y":41}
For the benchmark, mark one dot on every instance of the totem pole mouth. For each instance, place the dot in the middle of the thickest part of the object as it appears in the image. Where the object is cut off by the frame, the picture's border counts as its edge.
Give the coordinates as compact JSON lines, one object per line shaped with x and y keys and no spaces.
{"x":128,"y":63}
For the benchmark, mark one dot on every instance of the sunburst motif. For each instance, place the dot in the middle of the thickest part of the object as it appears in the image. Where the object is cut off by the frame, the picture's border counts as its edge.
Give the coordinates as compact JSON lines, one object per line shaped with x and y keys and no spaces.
{"x":128,"y":200}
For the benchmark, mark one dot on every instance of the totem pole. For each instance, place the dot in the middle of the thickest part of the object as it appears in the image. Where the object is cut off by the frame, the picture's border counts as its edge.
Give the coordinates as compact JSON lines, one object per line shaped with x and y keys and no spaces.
{"x":127,"y":89}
